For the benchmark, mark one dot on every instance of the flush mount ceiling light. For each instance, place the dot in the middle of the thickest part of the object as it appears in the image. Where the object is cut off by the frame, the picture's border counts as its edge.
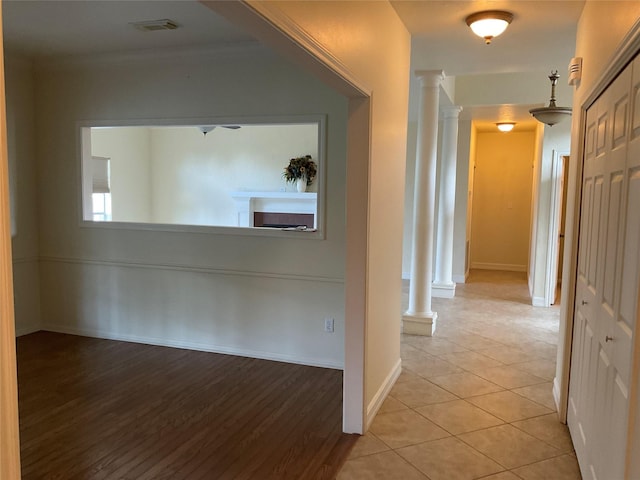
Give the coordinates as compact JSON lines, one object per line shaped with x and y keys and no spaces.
{"x":489,"y":24}
{"x":552,"y":114}
{"x":505,"y":126}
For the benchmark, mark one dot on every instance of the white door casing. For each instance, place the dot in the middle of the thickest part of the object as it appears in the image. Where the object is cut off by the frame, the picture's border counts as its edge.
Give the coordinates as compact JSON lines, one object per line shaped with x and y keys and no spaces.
{"x":607,"y":280}
{"x":629,"y":318}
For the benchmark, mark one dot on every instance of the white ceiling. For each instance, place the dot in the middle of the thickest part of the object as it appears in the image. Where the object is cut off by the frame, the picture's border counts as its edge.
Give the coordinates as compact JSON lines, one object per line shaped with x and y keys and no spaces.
{"x":55,"y":27}
{"x":540,"y":38}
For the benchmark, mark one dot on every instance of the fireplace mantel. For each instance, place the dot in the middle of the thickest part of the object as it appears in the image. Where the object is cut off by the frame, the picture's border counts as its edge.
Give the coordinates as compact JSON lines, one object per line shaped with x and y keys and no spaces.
{"x":274,"y":202}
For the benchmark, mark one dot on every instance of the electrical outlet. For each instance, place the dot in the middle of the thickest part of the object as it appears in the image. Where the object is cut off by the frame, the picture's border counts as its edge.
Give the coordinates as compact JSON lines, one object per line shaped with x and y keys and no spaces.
{"x":328,"y":325}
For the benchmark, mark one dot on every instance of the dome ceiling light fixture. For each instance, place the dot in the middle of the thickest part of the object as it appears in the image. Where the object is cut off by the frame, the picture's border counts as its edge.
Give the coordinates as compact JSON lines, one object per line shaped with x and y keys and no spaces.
{"x":505,"y":126}
{"x":489,"y":24}
{"x":552,"y":114}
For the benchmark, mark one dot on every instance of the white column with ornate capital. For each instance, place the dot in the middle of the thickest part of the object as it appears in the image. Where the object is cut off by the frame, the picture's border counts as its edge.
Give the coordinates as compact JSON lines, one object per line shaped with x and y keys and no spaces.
{"x":443,"y":286}
{"x":419,"y":319}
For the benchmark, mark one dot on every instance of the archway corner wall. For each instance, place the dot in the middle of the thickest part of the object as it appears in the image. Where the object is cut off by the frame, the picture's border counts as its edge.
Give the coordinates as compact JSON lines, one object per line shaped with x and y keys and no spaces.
{"x":374,"y":75}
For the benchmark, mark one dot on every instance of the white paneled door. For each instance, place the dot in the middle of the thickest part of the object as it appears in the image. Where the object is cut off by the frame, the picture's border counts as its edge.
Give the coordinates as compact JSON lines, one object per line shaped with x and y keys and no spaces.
{"x":607,"y":284}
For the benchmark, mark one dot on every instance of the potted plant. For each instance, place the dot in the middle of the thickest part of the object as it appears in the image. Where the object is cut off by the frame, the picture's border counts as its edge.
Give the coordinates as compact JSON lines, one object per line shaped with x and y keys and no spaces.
{"x":301,"y":171}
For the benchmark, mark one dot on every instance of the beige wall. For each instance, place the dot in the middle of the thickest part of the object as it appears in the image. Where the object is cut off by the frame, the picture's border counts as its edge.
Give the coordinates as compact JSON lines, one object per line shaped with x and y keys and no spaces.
{"x":597,"y":45}
{"x":502,"y":200}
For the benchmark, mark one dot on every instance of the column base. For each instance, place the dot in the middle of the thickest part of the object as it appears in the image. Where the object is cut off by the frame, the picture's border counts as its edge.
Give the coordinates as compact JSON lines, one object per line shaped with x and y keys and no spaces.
{"x":443,"y":290}
{"x":419,"y":324}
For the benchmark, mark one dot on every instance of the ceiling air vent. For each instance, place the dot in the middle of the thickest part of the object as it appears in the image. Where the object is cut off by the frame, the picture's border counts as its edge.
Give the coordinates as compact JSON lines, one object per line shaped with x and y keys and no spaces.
{"x":154,"y":25}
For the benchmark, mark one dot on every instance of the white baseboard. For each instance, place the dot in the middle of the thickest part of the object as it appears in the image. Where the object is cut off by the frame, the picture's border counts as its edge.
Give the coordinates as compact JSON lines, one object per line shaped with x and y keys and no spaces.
{"x":27,"y":329}
{"x":455,"y":278}
{"x":380,"y":396}
{"x":202,"y":347}
{"x":419,"y":325}
{"x":556,"y":398}
{"x":539,"y":302}
{"x":461,"y":278}
{"x":443,"y":291}
{"x":499,"y":266}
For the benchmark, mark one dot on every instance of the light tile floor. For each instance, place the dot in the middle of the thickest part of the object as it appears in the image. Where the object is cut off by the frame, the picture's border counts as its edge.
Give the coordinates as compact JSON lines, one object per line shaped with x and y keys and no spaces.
{"x":473,"y":401}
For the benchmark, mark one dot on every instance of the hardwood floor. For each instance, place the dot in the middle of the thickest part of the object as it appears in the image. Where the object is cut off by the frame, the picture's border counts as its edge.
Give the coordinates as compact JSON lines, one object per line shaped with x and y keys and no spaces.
{"x":102,"y":409}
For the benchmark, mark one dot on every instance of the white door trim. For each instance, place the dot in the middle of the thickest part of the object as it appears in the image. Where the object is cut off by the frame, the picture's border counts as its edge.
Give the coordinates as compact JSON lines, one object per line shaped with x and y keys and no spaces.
{"x":9,"y":432}
{"x":555,"y":214}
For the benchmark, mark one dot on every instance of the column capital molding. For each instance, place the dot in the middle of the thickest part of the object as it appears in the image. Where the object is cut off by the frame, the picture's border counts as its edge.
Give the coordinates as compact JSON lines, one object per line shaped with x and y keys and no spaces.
{"x":430,"y":78}
{"x":451,"y":111}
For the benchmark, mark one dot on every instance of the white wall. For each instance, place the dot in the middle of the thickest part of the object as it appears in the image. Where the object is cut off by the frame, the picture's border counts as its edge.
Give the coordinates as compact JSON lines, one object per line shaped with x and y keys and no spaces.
{"x":409,"y":190}
{"x":260,"y":296}
{"x":129,"y":151}
{"x":193,"y":176}
{"x":410,"y":187}
{"x":461,"y":234}
{"x":555,"y":140}
{"x":518,"y":88}
{"x":177,"y":175}
{"x":21,"y":135}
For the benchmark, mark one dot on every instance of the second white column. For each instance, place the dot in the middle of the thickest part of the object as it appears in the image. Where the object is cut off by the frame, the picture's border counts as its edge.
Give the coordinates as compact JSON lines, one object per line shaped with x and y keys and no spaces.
{"x":419,"y":319}
{"x":443,"y":285}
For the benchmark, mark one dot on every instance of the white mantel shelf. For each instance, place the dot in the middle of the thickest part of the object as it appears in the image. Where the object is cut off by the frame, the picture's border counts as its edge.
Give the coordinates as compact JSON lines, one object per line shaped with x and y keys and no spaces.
{"x":274,"y":202}
{"x":281,"y":195}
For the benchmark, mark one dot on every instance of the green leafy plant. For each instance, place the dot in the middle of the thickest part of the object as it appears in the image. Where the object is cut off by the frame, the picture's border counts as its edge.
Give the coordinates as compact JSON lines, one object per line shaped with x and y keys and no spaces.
{"x":300,"y":167}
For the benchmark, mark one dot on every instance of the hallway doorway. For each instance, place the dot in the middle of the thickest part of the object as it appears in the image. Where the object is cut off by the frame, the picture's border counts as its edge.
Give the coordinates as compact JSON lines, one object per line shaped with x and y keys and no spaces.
{"x":501,"y":207}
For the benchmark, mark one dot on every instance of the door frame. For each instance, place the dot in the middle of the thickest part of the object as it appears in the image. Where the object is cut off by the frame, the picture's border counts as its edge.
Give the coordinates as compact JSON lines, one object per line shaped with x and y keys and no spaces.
{"x":555,"y":210}
{"x":9,"y":433}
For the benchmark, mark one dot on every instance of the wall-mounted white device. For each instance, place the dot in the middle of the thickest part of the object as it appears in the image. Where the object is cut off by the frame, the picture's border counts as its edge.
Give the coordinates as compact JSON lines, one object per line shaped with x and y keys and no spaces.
{"x":575,"y":70}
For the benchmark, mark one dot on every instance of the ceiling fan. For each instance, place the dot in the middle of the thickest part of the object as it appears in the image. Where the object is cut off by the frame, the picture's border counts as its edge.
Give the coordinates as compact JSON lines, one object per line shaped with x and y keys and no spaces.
{"x":207,"y":128}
